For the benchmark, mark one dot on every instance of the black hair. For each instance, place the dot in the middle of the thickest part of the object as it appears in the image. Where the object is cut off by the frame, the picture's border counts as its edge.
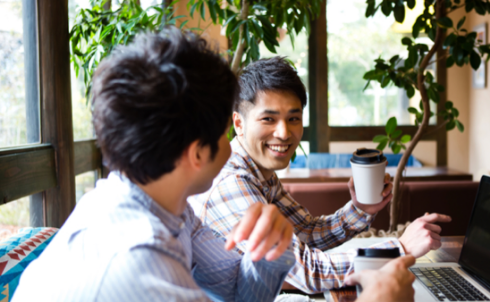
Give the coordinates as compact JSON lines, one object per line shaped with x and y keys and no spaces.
{"x":274,"y":74}
{"x":156,"y":96}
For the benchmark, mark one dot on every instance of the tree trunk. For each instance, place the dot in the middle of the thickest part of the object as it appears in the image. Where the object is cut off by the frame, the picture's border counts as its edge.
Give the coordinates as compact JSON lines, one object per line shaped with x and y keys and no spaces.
{"x":395,"y":203}
{"x":237,"y":57}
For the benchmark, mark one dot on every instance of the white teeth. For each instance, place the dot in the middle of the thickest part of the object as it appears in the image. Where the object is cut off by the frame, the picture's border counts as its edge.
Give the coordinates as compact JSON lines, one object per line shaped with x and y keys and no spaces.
{"x":279,"y":148}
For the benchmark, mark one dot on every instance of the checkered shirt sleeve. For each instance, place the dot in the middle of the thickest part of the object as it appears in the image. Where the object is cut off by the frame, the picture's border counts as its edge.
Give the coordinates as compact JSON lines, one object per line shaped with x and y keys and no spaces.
{"x":315,"y":270}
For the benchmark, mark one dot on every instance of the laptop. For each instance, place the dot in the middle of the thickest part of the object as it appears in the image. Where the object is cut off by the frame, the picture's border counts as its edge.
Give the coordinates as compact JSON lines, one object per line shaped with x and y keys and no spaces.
{"x":469,"y":279}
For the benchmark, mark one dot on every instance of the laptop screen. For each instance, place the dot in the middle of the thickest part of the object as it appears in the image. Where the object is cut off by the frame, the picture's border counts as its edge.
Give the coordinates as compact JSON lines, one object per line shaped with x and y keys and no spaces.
{"x":475,"y":255}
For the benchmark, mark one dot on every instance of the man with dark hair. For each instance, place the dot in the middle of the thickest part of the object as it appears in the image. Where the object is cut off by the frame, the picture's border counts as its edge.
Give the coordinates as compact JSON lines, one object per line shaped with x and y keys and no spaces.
{"x":162,"y":108}
{"x":268,"y":122}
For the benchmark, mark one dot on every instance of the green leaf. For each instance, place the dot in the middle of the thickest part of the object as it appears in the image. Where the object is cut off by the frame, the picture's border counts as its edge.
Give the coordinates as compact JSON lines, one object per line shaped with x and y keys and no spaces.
{"x":391,"y":125}
{"x":475,"y":60}
{"x":413,"y":110}
{"x":406,"y":138}
{"x":459,"y":125}
{"x":301,"y":147}
{"x":455,"y":112}
{"x":448,"y":104}
{"x":445,"y":22}
{"x":407,"y":41}
{"x":396,"y":134}
{"x":399,"y":13}
{"x":410,"y":91}
{"x":385,"y":81}
{"x":460,"y":23}
{"x":433,"y":95}
{"x":396,"y":148}
{"x":411,"y":4}
{"x":380,"y":138}
{"x":450,"y":125}
{"x":382,"y":145}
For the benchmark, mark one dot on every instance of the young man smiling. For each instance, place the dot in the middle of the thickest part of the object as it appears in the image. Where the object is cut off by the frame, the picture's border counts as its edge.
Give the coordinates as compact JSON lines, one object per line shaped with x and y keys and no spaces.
{"x":268,"y":122}
{"x":162,"y":109}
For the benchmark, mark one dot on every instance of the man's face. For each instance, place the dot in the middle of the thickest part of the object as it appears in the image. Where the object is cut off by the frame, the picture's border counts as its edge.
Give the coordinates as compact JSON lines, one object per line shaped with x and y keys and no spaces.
{"x":271,"y":130}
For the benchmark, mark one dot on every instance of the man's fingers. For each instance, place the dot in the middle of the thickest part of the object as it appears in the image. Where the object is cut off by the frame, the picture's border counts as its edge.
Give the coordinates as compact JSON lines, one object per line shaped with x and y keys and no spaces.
{"x":388,"y":189}
{"x":263,"y":226}
{"x":435,"y":217}
{"x":281,"y":247}
{"x":230,"y":243}
{"x":433,"y":227}
{"x":354,"y":278}
{"x":404,"y":261}
{"x":247,"y":224}
{"x":387,"y":178}
{"x":261,"y":242}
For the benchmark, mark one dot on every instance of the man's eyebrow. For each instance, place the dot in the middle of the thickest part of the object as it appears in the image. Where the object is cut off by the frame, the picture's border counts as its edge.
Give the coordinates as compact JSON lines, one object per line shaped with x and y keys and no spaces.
{"x":270,"y":111}
{"x":296,"y":110}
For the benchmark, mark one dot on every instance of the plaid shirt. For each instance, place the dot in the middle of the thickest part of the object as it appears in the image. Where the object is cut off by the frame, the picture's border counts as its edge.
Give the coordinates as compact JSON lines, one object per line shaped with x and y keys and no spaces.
{"x":240,"y":184}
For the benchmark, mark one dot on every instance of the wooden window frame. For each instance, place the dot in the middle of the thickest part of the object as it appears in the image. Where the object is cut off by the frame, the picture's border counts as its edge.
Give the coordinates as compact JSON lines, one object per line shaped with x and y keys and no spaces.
{"x":49,"y":168}
{"x":320,"y":134}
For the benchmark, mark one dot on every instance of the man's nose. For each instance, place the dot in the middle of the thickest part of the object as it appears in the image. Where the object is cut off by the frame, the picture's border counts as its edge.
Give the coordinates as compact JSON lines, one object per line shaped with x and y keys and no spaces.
{"x":282,"y":130}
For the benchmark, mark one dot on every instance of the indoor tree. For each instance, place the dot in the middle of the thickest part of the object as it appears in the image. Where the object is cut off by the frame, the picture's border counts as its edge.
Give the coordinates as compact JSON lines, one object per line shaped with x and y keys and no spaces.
{"x":249,"y":22}
{"x":460,"y":46}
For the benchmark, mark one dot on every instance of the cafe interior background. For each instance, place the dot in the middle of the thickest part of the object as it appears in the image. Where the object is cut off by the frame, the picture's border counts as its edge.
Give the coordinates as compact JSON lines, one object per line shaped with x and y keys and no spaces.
{"x":48,"y":152}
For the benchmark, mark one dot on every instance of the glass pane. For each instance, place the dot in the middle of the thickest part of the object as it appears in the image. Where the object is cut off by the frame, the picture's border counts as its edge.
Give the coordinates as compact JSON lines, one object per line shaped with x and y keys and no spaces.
{"x":82,"y":114}
{"x":19,"y":98}
{"x":84,"y":183}
{"x":298,"y":54}
{"x":13,"y":216}
{"x":354,"y":41}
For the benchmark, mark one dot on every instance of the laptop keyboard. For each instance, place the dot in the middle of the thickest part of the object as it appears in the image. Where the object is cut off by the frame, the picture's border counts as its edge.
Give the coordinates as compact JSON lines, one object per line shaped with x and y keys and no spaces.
{"x":447,"y":285}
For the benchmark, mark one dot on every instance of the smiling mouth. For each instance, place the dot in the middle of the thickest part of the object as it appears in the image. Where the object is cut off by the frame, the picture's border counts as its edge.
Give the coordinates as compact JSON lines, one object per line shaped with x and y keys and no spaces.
{"x":279,"y":148}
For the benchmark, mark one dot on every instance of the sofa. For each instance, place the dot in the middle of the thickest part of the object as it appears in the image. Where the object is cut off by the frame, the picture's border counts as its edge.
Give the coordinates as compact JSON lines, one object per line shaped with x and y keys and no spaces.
{"x":454,"y":198}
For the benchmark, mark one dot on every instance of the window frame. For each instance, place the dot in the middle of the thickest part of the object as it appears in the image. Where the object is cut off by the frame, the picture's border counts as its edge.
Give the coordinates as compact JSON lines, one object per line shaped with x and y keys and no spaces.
{"x":50,"y":167}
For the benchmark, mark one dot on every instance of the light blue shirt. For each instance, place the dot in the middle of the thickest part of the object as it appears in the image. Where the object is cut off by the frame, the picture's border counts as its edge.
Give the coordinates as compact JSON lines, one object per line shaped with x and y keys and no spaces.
{"x":120,"y":245}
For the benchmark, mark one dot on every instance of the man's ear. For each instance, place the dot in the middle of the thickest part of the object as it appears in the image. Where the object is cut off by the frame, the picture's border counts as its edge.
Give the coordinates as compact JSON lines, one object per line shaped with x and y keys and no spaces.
{"x":196,"y":155}
{"x":238,"y":123}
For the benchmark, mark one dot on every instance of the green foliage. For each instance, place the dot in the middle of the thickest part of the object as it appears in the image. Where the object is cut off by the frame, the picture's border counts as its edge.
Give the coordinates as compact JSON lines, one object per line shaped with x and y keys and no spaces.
{"x":393,"y":137}
{"x":262,"y":22}
{"x":97,"y":31}
{"x":462,"y":45}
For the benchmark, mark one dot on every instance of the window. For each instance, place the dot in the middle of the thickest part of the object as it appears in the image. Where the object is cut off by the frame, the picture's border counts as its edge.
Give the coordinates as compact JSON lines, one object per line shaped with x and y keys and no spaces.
{"x":354,"y":41}
{"x":19,"y":101}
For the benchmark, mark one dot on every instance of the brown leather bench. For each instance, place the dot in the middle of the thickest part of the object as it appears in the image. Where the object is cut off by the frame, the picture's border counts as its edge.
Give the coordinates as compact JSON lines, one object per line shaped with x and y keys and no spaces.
{"x":454,"y":198}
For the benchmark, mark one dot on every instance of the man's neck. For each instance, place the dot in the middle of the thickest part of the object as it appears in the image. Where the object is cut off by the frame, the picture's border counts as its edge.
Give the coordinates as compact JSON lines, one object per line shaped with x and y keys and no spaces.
{"x":267,"y":174}
{"x":170,"y":191}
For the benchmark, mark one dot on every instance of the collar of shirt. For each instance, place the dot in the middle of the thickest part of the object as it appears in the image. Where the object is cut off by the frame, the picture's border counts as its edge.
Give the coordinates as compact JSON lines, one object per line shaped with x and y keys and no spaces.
{"x":270,"y":187}
{"x":173,"y":223}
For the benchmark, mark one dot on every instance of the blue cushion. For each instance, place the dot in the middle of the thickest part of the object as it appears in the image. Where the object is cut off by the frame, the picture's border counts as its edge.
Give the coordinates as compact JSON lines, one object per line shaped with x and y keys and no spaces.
{"x":342,"y":160}
{"x":17,"y":252}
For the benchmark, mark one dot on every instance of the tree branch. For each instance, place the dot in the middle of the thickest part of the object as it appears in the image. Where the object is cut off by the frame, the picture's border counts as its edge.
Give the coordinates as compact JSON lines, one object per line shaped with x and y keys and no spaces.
{"x":440,"y":11}
{"x":237,"y":56}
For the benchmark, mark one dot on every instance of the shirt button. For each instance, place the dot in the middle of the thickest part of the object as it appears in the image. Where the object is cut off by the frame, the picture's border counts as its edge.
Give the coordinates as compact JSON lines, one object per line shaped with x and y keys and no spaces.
{"x":289,"y":262}
{"x":266,"y":189}
{"x":182,"y":225}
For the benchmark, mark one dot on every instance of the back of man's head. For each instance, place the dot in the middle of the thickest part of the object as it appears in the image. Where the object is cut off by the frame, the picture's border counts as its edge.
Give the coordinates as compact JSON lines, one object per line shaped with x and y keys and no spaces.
{"x":156,"y":96}
{"x":274,"y":74}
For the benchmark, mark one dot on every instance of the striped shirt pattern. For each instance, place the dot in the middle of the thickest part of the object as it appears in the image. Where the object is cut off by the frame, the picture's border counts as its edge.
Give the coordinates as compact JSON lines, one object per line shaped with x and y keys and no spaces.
{"x":120,"y":245}
{"x":241,"y":184}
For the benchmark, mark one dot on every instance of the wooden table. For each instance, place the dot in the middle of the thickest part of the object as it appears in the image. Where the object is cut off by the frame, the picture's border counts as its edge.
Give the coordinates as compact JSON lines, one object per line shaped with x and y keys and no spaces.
{"x":449,"y":252}
{"x":343,"y":174}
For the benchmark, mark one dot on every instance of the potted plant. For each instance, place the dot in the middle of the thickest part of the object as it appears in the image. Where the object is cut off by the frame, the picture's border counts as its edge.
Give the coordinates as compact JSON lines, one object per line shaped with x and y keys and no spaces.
{"x":460,"y":46}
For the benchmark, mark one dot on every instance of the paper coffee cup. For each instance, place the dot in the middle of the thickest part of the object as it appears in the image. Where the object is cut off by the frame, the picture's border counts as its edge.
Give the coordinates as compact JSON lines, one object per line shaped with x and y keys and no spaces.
{"x":373,"y":259}
{"x":368,"y":170}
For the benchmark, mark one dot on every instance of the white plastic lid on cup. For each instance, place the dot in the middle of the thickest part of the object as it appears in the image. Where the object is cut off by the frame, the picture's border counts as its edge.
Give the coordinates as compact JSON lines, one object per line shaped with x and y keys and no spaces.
{"x":368,"y":170}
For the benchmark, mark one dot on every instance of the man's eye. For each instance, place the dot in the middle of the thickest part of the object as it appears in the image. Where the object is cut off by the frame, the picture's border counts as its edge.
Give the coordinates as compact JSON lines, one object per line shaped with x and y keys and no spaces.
{"x":267,"y":119}
{"x":294,"y":119}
